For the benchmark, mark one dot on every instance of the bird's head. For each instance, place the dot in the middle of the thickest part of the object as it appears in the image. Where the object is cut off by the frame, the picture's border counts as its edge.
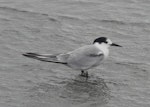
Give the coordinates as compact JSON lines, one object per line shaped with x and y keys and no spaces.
{"x":105,"y":41}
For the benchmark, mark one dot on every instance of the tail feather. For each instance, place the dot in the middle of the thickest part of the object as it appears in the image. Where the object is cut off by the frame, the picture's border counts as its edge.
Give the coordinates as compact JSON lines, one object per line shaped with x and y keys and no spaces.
{"x":44,"y":57}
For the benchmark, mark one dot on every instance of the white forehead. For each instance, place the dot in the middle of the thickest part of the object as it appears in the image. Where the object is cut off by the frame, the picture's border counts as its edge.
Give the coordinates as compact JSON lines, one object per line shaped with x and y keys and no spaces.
{"x":109,"y":41}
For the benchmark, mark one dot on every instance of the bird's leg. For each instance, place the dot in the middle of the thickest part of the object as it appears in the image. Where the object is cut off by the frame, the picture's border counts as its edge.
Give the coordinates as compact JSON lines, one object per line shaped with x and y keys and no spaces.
{"x":84,"y":74}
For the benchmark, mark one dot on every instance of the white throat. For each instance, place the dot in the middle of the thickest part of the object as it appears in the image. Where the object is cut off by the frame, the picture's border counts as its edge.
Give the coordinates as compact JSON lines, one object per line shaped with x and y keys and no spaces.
{"x":104,"y":48}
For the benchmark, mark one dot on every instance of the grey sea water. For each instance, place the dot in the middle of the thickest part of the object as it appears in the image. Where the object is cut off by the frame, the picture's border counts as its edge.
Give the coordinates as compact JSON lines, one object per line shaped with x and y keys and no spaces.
{"x":55,"y":26}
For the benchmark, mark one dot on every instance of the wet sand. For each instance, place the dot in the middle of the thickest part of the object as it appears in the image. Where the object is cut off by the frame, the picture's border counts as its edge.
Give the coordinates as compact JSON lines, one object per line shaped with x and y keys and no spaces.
{"x":58,"y":26}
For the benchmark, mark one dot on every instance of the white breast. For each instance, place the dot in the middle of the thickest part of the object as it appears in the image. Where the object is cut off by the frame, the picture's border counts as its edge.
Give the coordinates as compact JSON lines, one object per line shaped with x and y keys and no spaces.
{"x":104,"y":48}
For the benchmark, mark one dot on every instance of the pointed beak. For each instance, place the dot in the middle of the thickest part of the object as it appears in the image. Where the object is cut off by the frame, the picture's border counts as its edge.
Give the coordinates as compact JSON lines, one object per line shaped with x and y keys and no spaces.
{"x":114,"y":44}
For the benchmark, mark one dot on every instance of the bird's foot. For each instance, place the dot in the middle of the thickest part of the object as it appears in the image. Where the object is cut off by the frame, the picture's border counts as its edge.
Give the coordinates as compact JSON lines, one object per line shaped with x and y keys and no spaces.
{"x":84,"y":74}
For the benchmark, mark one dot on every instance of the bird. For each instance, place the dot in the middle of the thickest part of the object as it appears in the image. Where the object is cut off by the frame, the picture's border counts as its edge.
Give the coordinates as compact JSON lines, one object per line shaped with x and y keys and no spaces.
{"x":82,"y":59}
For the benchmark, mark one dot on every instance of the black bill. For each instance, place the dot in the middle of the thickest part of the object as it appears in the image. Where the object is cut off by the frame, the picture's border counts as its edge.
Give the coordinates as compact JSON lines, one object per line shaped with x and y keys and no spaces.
{"x":113,"y":44}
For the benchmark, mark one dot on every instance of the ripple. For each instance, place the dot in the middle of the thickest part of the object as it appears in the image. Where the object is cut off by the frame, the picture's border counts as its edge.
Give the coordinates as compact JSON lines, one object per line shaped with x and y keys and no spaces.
{"x":75,"y":91}
{"x":114,"y":21}
{"x":81,"y":90}
{"x":12,"y":10}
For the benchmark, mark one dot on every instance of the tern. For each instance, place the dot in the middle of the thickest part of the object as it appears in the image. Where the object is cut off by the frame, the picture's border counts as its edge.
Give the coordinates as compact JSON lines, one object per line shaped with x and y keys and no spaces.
{"x":83,"y":58}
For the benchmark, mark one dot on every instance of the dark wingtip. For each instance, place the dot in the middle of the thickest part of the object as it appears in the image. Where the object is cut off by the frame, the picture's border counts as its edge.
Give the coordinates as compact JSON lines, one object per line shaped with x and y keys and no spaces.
{"x":25,"y":54}
{"x":29,"y":54}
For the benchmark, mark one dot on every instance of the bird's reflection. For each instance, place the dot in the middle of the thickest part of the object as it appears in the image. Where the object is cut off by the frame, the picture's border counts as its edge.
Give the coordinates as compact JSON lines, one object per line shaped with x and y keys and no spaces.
{"x":80,"y":90}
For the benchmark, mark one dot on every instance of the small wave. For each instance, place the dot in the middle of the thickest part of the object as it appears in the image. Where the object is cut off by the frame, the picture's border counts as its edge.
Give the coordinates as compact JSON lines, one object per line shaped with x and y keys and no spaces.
{"x":69,"y":17}
{"x":139,"y":23}
{"x":10,"y":9}
{"x":134,"y":65}
{"x":120,"y":22}
{"x":114,"y":21}
{"x":5,"y":19}
{"x":17,"y":10}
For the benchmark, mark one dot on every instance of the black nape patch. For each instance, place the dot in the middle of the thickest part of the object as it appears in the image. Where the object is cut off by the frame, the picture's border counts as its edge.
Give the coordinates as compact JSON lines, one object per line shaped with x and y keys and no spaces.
{"x":101,"y":40}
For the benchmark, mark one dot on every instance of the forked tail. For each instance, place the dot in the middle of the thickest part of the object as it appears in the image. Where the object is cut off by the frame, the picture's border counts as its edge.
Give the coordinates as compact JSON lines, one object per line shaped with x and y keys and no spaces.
{"x":44,"y":57}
